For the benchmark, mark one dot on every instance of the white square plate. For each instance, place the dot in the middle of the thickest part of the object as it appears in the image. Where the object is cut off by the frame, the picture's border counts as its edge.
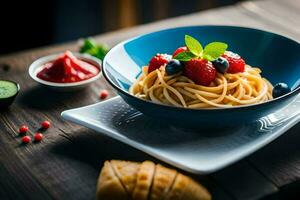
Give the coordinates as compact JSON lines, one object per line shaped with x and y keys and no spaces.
{"x":198,"y":152}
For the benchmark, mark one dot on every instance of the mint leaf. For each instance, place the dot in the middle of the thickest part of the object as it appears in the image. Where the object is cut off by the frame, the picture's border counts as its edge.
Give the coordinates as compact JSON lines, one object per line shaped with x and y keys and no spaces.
{"x":185,"y":56}
{"x":97,"y":50}
{"x":88,"y":44}
{"x":214,"y":50}
{"x":208,"y":57}
{"x":193,"y":45}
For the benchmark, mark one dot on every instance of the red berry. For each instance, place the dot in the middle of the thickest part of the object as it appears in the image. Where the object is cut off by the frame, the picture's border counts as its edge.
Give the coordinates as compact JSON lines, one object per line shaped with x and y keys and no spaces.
{"x":103,"y":94}
{"x":23,"y":129}
{"x":200,"y":71}
{"x":45,"y":124}
{"x":26,"y":139}
{"x":179,"y":50}
{"x":157,"y":61}
{"x":236,"y":63}
{"x":38,"y":137}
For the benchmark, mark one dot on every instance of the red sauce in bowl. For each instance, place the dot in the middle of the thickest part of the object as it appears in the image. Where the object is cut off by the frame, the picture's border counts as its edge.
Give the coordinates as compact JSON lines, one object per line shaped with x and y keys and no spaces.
{"x":67,"y":69}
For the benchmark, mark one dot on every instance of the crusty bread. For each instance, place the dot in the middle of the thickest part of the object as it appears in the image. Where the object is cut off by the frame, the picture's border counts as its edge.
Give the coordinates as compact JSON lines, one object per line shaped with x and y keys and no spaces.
{"x":125,"y":180}
{"x":162,"y":182}
{"x":144,"y":181}
{"x":127,"y":172}
{"x":195,"y":191}
{"x":178,"y":187}
{"x":109,"y":186}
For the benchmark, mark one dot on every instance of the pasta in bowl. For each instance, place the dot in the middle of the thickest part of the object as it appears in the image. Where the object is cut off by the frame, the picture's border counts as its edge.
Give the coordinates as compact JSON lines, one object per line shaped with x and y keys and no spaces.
{"x":185,"y":86}
{"x":226,"y":91}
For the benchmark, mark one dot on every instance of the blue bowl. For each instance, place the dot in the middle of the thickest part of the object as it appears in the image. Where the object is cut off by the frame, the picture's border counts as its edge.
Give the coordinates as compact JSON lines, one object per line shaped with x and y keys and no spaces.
{"x":277,"y":56}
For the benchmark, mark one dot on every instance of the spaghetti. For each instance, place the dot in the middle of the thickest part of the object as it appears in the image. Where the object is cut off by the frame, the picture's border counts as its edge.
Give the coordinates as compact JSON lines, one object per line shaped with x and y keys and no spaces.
{"x":227,"y":90}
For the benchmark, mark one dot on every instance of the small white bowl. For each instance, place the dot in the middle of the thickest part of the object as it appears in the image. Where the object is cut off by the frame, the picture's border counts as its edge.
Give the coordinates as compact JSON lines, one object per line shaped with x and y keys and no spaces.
{"x":33,"y":70}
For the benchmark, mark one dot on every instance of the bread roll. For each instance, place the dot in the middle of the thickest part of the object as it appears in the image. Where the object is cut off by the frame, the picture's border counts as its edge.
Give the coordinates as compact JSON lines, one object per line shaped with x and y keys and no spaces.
{"x":195,"y":191}
{"x":144,"y":181}
{"x":186,"y":188}
{"x":180,"y":183}
{"x":109,"y":186}
{"x":127,"y":172}
{"x":122,"y":180}
{"x":162,"y":182}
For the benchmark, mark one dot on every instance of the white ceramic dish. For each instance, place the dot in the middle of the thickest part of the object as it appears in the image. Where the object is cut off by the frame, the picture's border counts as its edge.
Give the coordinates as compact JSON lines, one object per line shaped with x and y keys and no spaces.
{"x":198,"y":152}
{"x":33,"y":69}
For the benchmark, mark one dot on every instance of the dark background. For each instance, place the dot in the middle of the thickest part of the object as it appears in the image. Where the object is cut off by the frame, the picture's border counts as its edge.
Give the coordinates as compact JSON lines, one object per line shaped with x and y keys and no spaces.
{"x":27,"y":24}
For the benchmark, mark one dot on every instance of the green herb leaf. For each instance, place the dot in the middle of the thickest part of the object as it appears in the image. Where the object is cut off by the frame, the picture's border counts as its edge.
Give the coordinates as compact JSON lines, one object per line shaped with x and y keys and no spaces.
{"x":214,"y":50}
{"x":208,"y":57}
{"x":185,"y":56}
{"x":87,"y":44}
{"x":96,"y":50}
{"x":193,"y":45}
{"x":102,"y":51}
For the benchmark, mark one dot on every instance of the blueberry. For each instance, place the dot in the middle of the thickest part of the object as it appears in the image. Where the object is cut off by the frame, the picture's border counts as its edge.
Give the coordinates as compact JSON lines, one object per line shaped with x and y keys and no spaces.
{"x":221,"y":64}
{"x":174,"y":66}
{"x":280,"y":89}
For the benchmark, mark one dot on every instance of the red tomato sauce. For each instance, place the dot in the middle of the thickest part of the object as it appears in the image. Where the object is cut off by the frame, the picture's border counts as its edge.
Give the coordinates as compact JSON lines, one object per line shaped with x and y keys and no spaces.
{"x":67,"y":69}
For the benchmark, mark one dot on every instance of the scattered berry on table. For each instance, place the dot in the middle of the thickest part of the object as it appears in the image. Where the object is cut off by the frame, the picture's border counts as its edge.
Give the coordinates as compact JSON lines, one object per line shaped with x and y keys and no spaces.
{"x":280,"y":89}
{"x":23,"y":129}
{"x":236,"y":63}
{"x":200,"y":71}
{"x":179,"y":50}
{"x":45,"y":124}
{"x":38,"y":137}
{"x":26,"y":139}
{"x":103,"y":94}
{"x":221,"y":64}
{"x":157,"y":61}
{"x":174,"y":66}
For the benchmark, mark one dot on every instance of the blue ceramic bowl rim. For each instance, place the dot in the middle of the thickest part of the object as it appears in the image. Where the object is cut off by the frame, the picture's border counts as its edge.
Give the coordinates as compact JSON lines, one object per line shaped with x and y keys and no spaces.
{"x":121,"y":90}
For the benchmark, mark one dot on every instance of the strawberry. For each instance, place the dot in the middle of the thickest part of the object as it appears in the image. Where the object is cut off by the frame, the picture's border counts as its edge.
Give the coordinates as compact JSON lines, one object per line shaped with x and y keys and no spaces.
{"x":200,"y":71}
{"x":179,"y":50}
{"x":157,"y":61}
{"x":236,"y":63}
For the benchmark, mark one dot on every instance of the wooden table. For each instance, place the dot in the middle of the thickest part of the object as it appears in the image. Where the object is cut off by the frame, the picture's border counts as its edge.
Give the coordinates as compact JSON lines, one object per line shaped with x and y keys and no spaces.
{"x":65,"y":165}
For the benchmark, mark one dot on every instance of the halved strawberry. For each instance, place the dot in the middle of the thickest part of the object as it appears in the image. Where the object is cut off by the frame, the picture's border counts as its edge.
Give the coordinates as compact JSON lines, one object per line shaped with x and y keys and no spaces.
{"x":179,"y":50}
{"x":157,"y":61}
{"x":236,"y":63}
{"x":200,"y":71}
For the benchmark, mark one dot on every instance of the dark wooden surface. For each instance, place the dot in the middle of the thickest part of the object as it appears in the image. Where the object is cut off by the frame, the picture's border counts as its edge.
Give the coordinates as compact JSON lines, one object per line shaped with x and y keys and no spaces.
{"x":65,"y":165}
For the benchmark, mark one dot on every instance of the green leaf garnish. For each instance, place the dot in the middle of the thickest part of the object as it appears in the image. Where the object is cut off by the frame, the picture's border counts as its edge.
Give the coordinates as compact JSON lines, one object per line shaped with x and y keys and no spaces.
{"x":193,"y":45}
{"x":87,"y":44}
{"x":96,"y":50}
{"x":214,"y":50}
{"x":185,"y":56}
{"x":208,"y":57}
{"x":195,"y":50}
